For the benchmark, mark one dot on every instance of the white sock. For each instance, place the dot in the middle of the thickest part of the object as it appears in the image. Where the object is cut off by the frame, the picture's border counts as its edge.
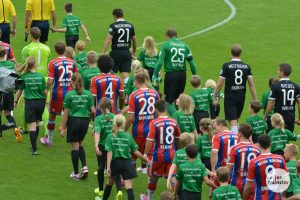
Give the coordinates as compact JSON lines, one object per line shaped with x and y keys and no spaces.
{"x":50,"y":136}
{"x":150,"y":194}
{"x":126,"y":81}
{"x":234,"y":129}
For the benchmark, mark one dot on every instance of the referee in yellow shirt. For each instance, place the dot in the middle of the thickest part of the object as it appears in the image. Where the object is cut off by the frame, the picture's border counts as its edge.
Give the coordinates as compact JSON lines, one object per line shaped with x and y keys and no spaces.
{"x":7,"y":10}
{"x":40,"y":11}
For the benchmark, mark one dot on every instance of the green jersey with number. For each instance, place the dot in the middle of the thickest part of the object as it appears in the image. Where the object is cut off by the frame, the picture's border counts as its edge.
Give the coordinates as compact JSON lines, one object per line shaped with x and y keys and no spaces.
{"x":226,"y":192}
{"x":81,"y":59}
{"x":258,"y":124}
{"x":291,"y":165}
{"x":87,"y":76}
{"x":103,"y":126}
{"x":147,"y":61}
{"x":191,"y":174}
{"x":34,"y":85}
{"x":72,"y":24}
{"x":186,"y":122}
{"x":7,"y":64}
{"x":121,"y":145}
{"x":204,"y":146}
{"x":264,"y":102}
{"x":296,"y":185}
{"x":42,"y":55}
{"x":202,"y":99}
{"x":79,"y":105}
{"x":180,"y":157}
{"x":280,"y":138}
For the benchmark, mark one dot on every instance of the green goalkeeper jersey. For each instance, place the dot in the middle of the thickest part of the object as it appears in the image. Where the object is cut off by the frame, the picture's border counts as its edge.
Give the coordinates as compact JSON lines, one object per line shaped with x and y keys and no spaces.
{"x":204,"y":146}
{"x":72,"y":24}
{"x":185,"y":122}
{"x":291,"y":165}
{"x":258,"y":124}
{"x":226,"y":192}
{"x":41,"y":53}
{"x":202,"y":99}
{"x":280,"y":138}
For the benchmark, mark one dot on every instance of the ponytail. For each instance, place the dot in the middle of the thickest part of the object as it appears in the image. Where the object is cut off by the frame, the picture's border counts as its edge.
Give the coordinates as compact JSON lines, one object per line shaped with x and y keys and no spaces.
{"x":28,"y":65}
{"x":106,"y":106}
{"x":118,"y":123}
{"x":206,"y":124}
{"x":78,"y":83}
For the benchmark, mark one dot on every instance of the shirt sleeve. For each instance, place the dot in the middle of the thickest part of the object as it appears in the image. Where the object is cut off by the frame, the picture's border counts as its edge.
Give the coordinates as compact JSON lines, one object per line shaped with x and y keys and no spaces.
{"x":44,"y":83}
{"x":93,"y":87}
{"x":67,"y":101}
{"x":215,"y":143}
{"x":232,"y":156}
{"x":51,"y":70}
{"x":251,"y":172}
{"x":108,"y":145}
{"x":97,"y":126}
{"x":52,"y":7}
{"x":141,"y":56}
{"x":79,"y":21}
{"x":160,"y":61}
{"x":12,"y":10}
{"x":29,"y":5}
{"x":204,"y":171}
{"x":179,"y":174}
{"x":152,"y":132}
{"x":223,"y":73}
{"x":291,"y":136}
{"x":238,"y":195}
{"x":214,"y":195}
{"x":111,"y":30}
{"x":91,"y":100}
{"x":249,"y":72}
{"x":131,"y":104}
{"x":273,"y":93}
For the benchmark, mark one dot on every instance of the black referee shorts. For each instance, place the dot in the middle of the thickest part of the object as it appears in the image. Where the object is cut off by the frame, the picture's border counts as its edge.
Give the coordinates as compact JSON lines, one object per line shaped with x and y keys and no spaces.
{"x":233,"y":108}
{"x":77,"y":128}
{"x":8,"y":101}
{"x":174,"y":85}
{"x":122,"y":60}
{"x":122,"y":167}
{"x":5,"y":28}
{"x":34,"y":109}
{"x":44,"y":27}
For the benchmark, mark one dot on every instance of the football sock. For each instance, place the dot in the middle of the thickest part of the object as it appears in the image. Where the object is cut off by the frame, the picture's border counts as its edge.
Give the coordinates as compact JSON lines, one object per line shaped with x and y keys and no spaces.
{"x":75,"y":160}
{"x":37,"y":131}
{"x":144,"y":165}
{"x":11,"y":121}
{"x":151,"y":188}
{"x":32,"y":135}
{"x":171,"y":108}
{"x":107,"y":192}
{"x":150,"y":194}
{"x":118,"y":183}
{"x":130,"y":194}
{"x":50,"y":127}
{"x":82,"y":156}
{"x":100,"y":176}
{"x":45,"y":118}
{"x":234,"y":129}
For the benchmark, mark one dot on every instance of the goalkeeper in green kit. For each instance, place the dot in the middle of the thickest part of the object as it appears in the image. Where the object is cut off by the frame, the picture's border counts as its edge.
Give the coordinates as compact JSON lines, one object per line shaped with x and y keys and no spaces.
{"x":173,"y":54}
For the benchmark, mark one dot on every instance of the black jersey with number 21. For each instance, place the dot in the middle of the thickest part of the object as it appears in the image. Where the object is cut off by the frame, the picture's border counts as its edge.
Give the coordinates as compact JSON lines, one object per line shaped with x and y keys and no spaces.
{"x":122,"y":33}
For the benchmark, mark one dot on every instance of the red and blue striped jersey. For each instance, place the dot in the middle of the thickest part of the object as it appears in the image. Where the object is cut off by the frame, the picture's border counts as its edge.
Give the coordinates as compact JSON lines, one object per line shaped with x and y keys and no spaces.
{"x":258,"y":169}
{"x":61,"y":70}
{"x":141,"y":105}
{"x":240,"y":156}
{"x":164,"y":131}
{"x":9,"y":52}
{"x":222,"y":143}
{"x":107,"y":85}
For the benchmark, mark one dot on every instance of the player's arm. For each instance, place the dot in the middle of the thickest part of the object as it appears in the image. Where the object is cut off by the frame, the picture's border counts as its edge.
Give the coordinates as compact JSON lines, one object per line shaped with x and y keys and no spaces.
{"x":298,"y":102}
{"x":171,"y":172}
{"x":159,"y":63}
{"x":18,"y":95}
{"x":139,"y":155}
{"x":121,"y":99}
{"x":108,"y":162}
{"x":247,"y":189}
{"x":294,"y":197}
{"x":176,"y":188}
{"x":213,"y":160}
{"x":27,"y":21}
{"x":209,"y":182}
{"x":53,"y":15}
{"x":129,"y":121}
{"x":148,"y":146}
{"x":107,"y":43}
{"x":217,"y":90}
{"x":270,"y":106}
{"x":85,"y":32}
{"x":96,"y":140}
{"x":49,"y":83}
{"x":59,"y":30}
{"x":64,"y":121}
{"x":14,"y":19}
{"x":252,"y":87}
{"x":133,"y":45}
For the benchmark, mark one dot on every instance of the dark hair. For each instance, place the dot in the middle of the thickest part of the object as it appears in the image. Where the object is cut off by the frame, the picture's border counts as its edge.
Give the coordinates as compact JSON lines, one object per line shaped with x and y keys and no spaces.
{"x":171,"y":32}
{"x":68,"y":7}
{"x":222,"y":174}
{"x":264,"y":141}
{"x":60,"y":48}
{"x":161,"y":105}
{"x":35,"y":33}
{"x":78,"y":82}
{"x":221,"y":122}
{"x":105,"y":104}
{"x":285,"y":68}
{"x":2,"y":51}
{"x":118,"y":12}
{"x":245,"y":130}
{"x":236,"y":50}
{"x":191,"y":151}
{"x":105,"y":63}
{"x":255,"y":106}
{"x":271,"y":81}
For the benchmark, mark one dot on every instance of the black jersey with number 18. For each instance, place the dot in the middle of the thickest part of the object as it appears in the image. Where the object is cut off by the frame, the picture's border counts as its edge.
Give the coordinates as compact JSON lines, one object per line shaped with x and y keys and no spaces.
{"x":235,"y":74}
{"x":122,"y":33}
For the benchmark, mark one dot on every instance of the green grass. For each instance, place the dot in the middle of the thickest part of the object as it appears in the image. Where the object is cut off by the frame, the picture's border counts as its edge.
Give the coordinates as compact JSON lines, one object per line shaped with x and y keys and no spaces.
{"x":267,"y":30}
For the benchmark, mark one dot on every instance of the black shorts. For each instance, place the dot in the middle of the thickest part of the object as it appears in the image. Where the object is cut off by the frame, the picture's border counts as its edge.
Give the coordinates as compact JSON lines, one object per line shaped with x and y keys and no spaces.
{"x":198,"y":115}
{"x":8,"y":101}
{"x":289,"y":121}
{"x":150,"y":71}
{"x":233,"y":108}
{"x":122,"y":60}
{"x":122,"y":167}
{"x":71,"y":40}
{"x":214,"y":111}
{"x":44,"y":27}
{"x":187,"y":195}
{"x":206,"y":162}
{"x":77,"y":128}
{"x":34,"y":109}
{"x":102,"y":159}
{"x":5,"y":37}
{"x":174,"y":85}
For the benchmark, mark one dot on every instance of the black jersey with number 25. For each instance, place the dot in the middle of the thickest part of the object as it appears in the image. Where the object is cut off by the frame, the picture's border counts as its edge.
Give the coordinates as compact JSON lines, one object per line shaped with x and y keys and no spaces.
{"x":122,"y":33}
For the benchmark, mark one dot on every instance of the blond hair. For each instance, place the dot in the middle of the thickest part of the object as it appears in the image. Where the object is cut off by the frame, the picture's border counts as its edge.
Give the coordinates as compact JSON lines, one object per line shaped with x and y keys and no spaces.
{"x":28,"y":65}
{"x":185,"y":139}
{"x":119,"y":122}
{"x":277,"y":121}
{"x":80,"y":45}
{"x":70,"y":52}
{"x":206,"y":125}
{"x":136,"y":65}
{"x":91,"y":57}
{"x":149,"y":45}
{"x":142,"y":76}
{"x":292,"y":148}
{"x":185,"y":104}
{"x":210,"y":84}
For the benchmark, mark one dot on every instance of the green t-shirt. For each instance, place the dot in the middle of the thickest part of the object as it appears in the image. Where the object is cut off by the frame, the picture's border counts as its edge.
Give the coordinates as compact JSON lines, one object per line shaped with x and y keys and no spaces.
{"x":186,"y":122}
{"x":280,"y":138}
{"x":87,"y":76}
{"x":34,"y":85}
{"x":79,"y":105}
{"x":72,"y":24}
{"x":291,"y":165}
{"x":226,"y":192}
{"x":191,"y":174}
{"x":121,"y":145}
{"x":264,"y":102}
{"x":258,"y":124}
{"x":42,"y":55}
{"x":8,"y":64}
{"x":180,"y":157}
{"x":103,"y":125}
{"x":204,"y":146}
{"x":296,"y":185}
{"x":147,"y":61}
{"x":81,"y":59}
{"x":130,"y":85}
{"x":202,"y":99}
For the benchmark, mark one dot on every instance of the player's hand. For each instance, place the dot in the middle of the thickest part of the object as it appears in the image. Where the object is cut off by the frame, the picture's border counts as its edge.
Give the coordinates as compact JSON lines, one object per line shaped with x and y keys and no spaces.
{"x":13,"y":33}
{"x":16,"y":104}
{"x":216,"y":102}
{"x":133,"y":55}
{"x":88,"y":39}
{"x":108,"y":172}
{"x":52,"y":30}
{"x":62,"y":132}
{"x":98,"y":152}
{"x":298,"y":122}
{"x":170,"y":185}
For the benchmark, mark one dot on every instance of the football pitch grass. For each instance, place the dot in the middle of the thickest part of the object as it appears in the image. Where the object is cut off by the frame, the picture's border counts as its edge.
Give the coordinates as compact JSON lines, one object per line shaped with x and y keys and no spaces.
{"x":267,"y":30}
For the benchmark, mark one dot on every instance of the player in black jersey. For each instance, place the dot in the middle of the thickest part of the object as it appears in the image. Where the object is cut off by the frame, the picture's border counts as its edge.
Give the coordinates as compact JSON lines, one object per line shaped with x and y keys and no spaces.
{"x":235,"y":74}
{"x":120,"y":35}
{"x":284,"y":95}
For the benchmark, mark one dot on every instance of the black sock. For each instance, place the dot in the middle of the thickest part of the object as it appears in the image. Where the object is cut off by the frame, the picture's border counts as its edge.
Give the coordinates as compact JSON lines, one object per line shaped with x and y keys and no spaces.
{"x":144,"y":165}
{"x":37,"y":131}
{"x":107,"y":192}
{"x":32,"y":135}
{"x":100,"y":177}
{"x":130,"y":194}
{"x":118,"y":183}
{"x":11,"y":120}
{"x":75,"y":159}
{"x":82,"y":156}
{"x":0,"y":127}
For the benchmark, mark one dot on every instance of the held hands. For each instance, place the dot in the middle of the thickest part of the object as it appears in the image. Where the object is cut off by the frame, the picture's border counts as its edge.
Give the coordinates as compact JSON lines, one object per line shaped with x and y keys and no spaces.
{"x":216,"y":102}
{"x":13,"y":33}
{"x":108,"y":172}
{"x":98,"y":152}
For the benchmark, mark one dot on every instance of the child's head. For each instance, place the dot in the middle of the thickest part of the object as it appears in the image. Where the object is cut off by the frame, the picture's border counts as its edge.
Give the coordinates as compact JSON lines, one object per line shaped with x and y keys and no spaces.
{"x":70,"y":52}
{"x":185,"y":139}
{"x":222,"y":174}
{"x":91,"y":58}
{"x":191,"y":151}
{"x":35,"y":33}
{"x":149,"y":45}
{"x":290,"y":151}
{"x":255,"y":107}
{"x":2,"y":52}
{"x":210,"y":84}
{"x":105,"y":105}
{"x":166,"y":195}
{"x":298,"y":167}
{"x":272,"y":81}
{"x":185,"y":104}
{"x":205,"y":125}
{"x":160,"y":106}
{"x":264,"y":141}
{"x":136,"y":65}
{"x":68,"y":7}
{"x":245,"y":131}
{"x":60,"y":48}
{"x":277,"y":121}
{"x":195,"y":81}
{"x":118,"y":123}
{"x":105,"y":63}
{"x":80,"y":45}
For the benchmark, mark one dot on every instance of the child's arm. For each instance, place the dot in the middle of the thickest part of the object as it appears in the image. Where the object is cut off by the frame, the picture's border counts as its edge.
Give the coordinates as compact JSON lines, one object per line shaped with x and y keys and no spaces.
{"x":209,"y":182}
{"x":85,"y":32}
{"x":171,"y":171}
{"x":108,"y":161}
{"x":58,"y":30}
{"x":139,"y":155}
{"x":176,"y":188}
{"x":96,"y":139}
{"x":247,"y":189}
{"x":213,"y":160}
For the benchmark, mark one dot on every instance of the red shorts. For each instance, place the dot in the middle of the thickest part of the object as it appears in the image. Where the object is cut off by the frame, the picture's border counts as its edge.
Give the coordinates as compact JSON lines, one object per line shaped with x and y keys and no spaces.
{"x":56,"y":106}
{"x":160,"y":169}
{"x":141,"y":142}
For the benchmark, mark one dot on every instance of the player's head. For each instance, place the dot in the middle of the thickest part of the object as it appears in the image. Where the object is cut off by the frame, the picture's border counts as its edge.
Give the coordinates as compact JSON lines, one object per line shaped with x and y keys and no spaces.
{"x":185,"y":104}
{"x":60,"y":48}
{"x":255,"y":107}
{"x":80,"y":46}
{"x":2,"y":52}
{"x":91,"y":58}
{"x":160,"y":106}
{"x":105,"y":63}
{"x":149,"y":45}
{"x":185,"y":139}
{"x":195,"y":81}
{"x":222,"y":174}
{"x":285,"y":70}
{"x":277,"y":121}
{"x":245,"y":131}
{"x":220,"y":125}
{"x":68,"y":7}
{"x":205,"y":126}
{"x":105,"y":106}
{"x":118,"y":123}
{"x":236,"y":50}
{"x":191,"y":151}
{"x":271,"y":81}
{"x":290,"y":151}
{"x":210,"y":84}
{"x":141,"y":78}
{"x":136,"y":66}
{"x":264,"y":142}
{"x":70,"y":52}
{"x":118,"y":13}
{"x":77,"y":83}
{"x":171,"y":32}
{"x":28,"y":66}
{"x":35,"y":33}
{"x":166,"y":195}
{"x":298,"y":167}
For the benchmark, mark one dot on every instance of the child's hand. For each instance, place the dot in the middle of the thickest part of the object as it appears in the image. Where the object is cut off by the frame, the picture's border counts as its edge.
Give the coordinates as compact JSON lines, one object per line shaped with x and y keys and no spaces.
{"x":52,"y":29}
{"x":88,"y":39}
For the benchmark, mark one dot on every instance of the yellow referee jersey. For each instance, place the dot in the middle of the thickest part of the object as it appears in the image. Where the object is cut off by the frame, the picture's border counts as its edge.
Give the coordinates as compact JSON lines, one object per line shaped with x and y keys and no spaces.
{"x":7,"y":10}
{"x":40,"y":9}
